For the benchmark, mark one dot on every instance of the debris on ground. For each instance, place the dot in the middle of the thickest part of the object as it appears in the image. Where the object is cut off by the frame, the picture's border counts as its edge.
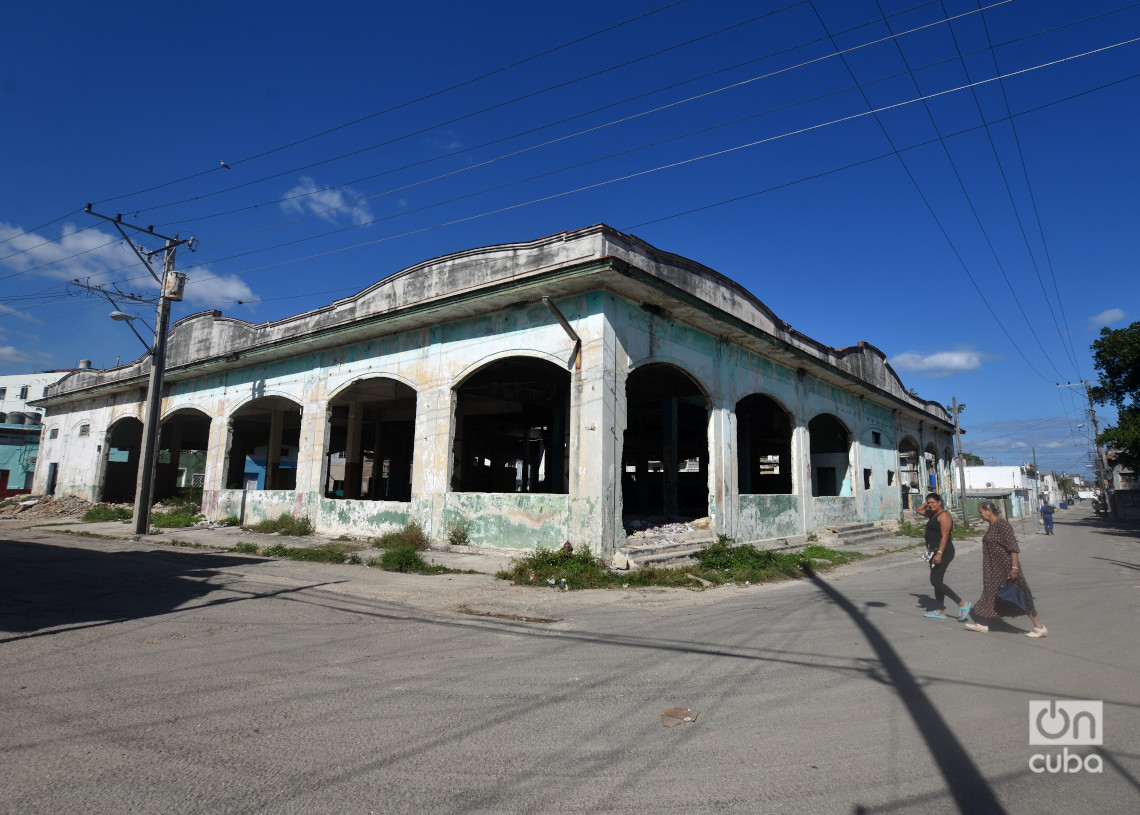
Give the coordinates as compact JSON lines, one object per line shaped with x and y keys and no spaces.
{"x":673,"y":716}
{"x":661,"y":528}
{"x":44,"y":506}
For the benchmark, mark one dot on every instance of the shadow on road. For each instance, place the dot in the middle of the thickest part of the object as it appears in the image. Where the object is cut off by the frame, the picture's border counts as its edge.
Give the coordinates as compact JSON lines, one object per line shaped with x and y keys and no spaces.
{"x":45,"y":586}
{"x":967,"y":785}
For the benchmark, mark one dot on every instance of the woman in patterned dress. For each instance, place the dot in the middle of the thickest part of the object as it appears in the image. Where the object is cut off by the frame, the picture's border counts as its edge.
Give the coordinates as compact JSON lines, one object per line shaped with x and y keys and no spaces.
{"x":1000,"y":562}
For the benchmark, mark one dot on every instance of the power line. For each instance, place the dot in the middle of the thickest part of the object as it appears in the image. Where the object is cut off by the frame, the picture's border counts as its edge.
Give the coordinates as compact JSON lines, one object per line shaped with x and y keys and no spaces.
{"x":404,"y":104}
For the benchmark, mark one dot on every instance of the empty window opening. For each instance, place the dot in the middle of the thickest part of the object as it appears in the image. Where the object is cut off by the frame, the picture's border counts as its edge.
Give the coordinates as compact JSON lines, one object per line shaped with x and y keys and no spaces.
{"x":876,"y":437}
{"x":371,"y":442}
{"x":764,"y":447}
{"x":830,"y":456}
{"x":24,"y":392}
{"x":512,"y":432}
{"x":84,"y":430}
{"x":665,"y":450}
{"x":123,"y":449}
{"x":890,"y":478}
{"x":53,"y":433}
{"x":182,"y":443}
{"x":866,"y":479}
{"x":264,"y":439}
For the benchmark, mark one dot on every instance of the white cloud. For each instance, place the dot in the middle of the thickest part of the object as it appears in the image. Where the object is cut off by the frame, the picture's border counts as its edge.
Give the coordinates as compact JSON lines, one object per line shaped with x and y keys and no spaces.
{"x":11,"y":354}
{"x":328,"y":204}
{"x":1106,"y":318}
{"x":216,"y":292}
{"x":938,"y":364}
{"x":15,"y":312}
{"x":75,"y":254}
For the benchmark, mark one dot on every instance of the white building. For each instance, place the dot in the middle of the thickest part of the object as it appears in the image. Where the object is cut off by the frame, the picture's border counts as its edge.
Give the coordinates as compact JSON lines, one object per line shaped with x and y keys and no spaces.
{"x":1020,"y":480}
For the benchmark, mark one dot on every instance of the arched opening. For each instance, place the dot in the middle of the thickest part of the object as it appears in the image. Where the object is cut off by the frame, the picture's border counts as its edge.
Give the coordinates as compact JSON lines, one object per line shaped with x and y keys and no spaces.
{"x":182,"y":445}
{"x":764,"y":446}
{"x":265,"y":435}
{"x":511,"y":428}
{"x":909,"y":484}
{"x":120,"y":477}
{"x":371,"y":441}
{"x":665,"y":450}
{"x":932,"y":473}
{"x":830,"y":457}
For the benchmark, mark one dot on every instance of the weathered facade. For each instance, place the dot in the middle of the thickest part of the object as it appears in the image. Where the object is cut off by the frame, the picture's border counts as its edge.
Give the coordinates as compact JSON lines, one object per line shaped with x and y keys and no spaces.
{"x":538,"y":393}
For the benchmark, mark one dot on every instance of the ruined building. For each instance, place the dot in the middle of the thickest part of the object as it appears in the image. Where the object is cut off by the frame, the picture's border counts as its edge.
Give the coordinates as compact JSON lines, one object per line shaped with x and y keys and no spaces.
{"x":537,"y":392}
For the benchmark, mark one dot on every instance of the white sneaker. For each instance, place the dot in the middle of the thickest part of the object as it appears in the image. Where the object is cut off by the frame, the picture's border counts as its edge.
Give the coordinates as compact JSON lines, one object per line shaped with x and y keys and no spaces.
{"x":981,"y":629}
{"x":1038,"y":633}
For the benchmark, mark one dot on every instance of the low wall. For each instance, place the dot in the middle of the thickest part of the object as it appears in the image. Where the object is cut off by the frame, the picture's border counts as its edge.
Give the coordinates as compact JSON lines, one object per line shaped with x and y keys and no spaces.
{"x":508,"y":520}
{"x":359,"y":519}
{"x":767,"y":517}
{"x":828,"y":510}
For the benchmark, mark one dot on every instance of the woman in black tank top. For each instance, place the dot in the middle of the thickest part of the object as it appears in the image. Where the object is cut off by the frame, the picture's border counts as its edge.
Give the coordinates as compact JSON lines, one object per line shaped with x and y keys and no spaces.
{"x":938,"y":542}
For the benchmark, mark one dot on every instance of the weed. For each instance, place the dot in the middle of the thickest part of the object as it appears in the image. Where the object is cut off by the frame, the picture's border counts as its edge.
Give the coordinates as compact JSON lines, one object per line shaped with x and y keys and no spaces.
{"x":313,"y":554}
{"x":106,"y":512}
{"x":246,"y":548}
{"x":411,"y":535}
{"x":186,"y":499}
{"x":459,"y":534}
{"x":720,"y":563}
{"x":178,"y":519}
{"x":285,"y":524}
{"x":230,"y":520}
{"x":405,"y":558}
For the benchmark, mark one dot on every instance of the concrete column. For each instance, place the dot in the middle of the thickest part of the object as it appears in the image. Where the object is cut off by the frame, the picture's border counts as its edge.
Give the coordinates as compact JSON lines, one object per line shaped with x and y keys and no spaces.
{"x":354,"y":450}
{"x":596,"y":421}
{"x":273,"y":449}
{"x":723,"y":469}
{"x":312,"y":446}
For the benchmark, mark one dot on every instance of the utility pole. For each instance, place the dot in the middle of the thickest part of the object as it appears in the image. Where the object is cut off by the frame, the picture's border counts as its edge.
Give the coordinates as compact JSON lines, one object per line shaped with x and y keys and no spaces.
{"x":170,"y":286}
{"x":961,"y":465}
{"x":1102,"y":469}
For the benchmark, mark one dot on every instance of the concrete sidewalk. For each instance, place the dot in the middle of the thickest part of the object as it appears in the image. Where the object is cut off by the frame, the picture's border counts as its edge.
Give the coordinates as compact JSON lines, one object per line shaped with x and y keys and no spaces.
{"x":223,"y":538}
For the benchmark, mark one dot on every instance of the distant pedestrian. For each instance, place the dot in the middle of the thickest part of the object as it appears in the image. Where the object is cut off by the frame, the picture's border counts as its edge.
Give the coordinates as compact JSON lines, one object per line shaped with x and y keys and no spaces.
{"x":939,"y":528}
{"x":1047,"y":516}
{"x":1001,"y":565}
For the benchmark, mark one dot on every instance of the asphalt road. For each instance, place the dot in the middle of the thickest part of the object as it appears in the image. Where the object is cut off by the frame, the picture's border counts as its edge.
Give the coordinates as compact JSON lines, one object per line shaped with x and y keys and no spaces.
{"x":149,"y":679}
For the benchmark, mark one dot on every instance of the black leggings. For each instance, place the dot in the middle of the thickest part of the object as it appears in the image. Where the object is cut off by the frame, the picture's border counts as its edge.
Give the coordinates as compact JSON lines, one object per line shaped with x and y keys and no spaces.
{"x":937,"y":573}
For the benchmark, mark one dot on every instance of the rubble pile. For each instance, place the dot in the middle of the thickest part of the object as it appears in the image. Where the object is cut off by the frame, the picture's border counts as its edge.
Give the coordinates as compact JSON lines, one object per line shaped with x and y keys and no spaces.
{"x":40,"y":506}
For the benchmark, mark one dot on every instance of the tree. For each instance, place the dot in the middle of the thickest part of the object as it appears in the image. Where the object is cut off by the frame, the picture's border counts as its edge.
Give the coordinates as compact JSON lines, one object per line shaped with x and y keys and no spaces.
{"x":1116,"y":355}
{"x":973,"y":461}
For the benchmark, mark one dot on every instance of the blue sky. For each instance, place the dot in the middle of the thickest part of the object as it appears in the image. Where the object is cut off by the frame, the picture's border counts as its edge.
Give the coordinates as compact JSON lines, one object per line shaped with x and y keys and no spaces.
{"x":980,"y":236}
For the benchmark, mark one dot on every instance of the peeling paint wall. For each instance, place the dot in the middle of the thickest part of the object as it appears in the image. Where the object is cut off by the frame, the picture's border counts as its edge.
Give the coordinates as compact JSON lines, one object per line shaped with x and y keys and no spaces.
{"x":511,"y":521}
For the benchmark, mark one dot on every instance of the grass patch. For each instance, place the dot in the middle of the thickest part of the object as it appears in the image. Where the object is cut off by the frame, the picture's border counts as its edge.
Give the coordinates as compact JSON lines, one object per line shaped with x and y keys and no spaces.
{"x":105,"y":512}
{"x":230,"y":520}
{"x":720,"y":563}
{"x":285,"y":524}
{"x":311,"y":554}
{"x":178,"y":519}
{"x":186,"y":499}
{"x":407,"y":559}
{"x":245,"y":548}
{"x":411,"y":535}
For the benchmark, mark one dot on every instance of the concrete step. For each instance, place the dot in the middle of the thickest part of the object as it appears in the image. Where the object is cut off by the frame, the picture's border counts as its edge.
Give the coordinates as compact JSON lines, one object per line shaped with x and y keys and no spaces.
{"x":854,"y":534}
{"x":660,"y":552}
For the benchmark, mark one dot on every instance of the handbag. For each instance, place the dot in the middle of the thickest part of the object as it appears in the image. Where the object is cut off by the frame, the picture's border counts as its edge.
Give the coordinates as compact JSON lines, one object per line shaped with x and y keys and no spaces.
{"x":1009,"y":593}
